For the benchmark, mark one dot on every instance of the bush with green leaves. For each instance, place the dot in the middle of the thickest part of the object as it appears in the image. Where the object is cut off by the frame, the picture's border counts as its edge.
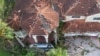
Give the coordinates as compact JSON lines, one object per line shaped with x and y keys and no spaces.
{"x":30,"y":53}
{"x":6,"y":7}
{"x":57,"y":52}
{"x":35,"y":52}
{"x":5,"y":30}
{"x":6,"y":34}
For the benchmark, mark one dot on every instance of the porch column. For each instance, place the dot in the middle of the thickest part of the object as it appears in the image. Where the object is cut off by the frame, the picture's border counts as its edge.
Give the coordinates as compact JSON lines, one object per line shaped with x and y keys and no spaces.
{"x":46,"y":38}
{"x":55,"y":36}
{"x":35,"y":38}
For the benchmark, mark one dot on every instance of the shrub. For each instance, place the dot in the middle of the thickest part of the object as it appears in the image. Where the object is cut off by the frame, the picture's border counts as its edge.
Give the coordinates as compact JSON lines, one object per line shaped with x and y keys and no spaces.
{"x":5,"y":31}
{"x":30,"y":53}
{"x":6,"y":7}
{"x":57,"y":52}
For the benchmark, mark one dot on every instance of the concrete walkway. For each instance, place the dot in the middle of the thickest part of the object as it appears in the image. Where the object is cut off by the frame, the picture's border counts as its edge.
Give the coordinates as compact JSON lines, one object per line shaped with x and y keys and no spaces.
{"x":83,"y":46}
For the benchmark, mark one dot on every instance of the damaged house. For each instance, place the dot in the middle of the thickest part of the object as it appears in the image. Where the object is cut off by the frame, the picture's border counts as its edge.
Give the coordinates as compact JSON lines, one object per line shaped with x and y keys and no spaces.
{"x":34,"y":20}
{"x":82,"y":18}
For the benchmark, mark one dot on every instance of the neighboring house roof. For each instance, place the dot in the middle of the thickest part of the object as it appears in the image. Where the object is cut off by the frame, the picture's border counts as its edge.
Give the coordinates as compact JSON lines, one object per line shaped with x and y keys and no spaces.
{"x":94,"y":10}
{"x":77,"y":7}
{"x":81,"y":26}
{"x":36,"y":17}
{"x":81,"y":7}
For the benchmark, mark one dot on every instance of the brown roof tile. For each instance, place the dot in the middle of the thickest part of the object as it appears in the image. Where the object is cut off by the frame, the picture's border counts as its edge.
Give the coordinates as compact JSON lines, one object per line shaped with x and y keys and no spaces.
{"x":80,"y":7}
{"x":81,"y":26}
{"x":14,"y":23}
{"x":63,"y":5}
{"x":77,"y":7}
{"x":32,"y":25}
{"x":29,"y":16}
{"x":94,"y":10}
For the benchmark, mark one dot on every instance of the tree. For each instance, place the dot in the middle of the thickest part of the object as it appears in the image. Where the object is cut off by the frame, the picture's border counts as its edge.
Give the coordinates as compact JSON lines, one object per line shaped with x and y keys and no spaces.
{"x":5,"y":31}
{"x":6,"y":7}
